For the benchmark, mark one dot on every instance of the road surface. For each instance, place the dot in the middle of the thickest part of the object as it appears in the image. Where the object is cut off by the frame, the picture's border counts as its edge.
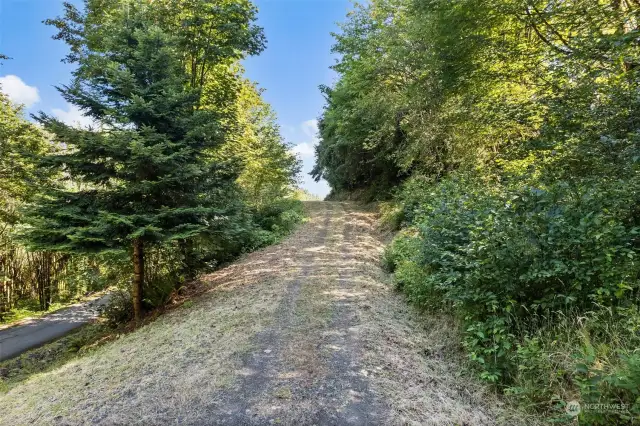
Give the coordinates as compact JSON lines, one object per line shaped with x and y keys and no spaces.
{"x":306,"y":332}
{"x":38,"y":331}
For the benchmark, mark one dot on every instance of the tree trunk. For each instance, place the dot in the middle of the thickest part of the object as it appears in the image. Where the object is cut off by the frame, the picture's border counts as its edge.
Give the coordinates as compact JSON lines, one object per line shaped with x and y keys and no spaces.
{"x":138,"y":277}
{"x":46,"y":283}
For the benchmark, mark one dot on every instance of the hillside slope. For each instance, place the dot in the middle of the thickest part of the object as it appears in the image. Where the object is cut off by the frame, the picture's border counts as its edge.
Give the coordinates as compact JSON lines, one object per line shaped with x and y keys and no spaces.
{"x":305,"y":332}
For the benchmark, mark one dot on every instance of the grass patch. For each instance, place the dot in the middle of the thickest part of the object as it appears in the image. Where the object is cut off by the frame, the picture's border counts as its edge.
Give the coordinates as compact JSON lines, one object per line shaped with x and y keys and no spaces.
{"x":52,"y":355}
{"x":283,"y":393}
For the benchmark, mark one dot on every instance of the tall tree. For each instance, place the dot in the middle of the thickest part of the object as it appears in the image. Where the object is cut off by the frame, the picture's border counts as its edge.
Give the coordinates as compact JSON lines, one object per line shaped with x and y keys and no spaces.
{"x":269,"y":169}
{"x":20,"y":143}
{"x":144,"y":172}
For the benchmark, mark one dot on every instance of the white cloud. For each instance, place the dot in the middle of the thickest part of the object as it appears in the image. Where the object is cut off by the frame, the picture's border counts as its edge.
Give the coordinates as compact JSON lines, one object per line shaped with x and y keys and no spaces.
{"x":304,"y":149}
{"x":288,"y":131}
{"x":307,"y":134}
{"x":310,"y":129}
{"x":73,"y":116}
{"x":18,"y":91}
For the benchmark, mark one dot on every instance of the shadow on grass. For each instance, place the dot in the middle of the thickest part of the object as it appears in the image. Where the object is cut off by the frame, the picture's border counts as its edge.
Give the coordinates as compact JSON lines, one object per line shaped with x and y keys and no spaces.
{"x":52,"y":355}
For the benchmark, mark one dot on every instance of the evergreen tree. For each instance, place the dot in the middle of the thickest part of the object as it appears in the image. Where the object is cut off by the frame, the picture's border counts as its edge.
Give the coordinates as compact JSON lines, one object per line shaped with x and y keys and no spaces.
{"x":143,"y":172}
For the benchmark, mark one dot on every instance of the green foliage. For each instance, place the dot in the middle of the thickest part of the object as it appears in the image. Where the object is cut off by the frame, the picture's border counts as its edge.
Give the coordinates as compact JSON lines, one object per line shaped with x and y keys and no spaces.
{"x":30,"y":282}
{"x":164,"y":269}
{"x":118,"y":310}
{"x":507,"y":134}
{"x":269,"y":170}
{"x":145,"y":171}
{"x":184,"y":160}
{"x":391,"y":216}
{"x":277,"y":219}
{"x":505,"y":256}
{"x":146,"y":174}
{"x":591,"y":357}
{"x":20,"y":142}
{"x":403,"y":258}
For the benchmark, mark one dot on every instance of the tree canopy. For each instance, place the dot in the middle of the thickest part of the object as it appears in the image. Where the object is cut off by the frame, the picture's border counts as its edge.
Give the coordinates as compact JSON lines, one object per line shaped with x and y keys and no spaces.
{"x":434,"y":87}
{"x":504,"y":135}
{"x":182,"y":156}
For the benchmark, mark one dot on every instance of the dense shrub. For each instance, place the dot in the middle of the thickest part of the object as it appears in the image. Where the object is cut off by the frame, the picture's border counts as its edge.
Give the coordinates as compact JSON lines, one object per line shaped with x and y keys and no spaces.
{"x":523,"y":267}
{"x":168,"y":266}
{"x":119,"y":308}
{"x":276,"y":220}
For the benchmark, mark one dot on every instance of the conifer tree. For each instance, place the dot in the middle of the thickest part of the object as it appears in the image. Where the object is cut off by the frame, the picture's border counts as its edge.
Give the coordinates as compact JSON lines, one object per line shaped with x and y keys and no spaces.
{"x":141,"y":174}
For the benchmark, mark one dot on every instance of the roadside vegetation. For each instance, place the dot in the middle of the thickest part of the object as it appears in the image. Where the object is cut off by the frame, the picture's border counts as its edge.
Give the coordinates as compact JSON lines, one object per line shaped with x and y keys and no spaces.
{"x":53,"y":355}
{"x":307,"y":331}
{"x":182,"y":170}
{"x":503,"y":138}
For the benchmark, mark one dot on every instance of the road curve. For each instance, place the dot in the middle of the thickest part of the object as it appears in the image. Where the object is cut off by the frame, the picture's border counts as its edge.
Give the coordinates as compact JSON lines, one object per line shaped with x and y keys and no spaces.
{"x":38,"y":331}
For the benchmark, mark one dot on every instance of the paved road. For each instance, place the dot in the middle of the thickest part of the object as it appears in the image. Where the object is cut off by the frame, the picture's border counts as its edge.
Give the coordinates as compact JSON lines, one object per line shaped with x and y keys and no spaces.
{"x":36,"y":332}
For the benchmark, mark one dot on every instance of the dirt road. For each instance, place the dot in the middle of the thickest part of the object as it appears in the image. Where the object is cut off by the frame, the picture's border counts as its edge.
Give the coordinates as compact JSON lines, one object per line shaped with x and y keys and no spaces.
{"x":307,"y":332}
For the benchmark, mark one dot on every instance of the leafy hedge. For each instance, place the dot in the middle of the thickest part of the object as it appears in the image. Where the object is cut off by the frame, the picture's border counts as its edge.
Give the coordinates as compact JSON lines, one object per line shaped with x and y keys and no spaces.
{"x":545,"y":281}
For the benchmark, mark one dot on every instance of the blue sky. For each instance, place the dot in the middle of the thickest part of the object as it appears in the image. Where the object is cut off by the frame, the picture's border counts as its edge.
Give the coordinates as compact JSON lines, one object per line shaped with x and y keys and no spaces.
{"x":295,"y":63}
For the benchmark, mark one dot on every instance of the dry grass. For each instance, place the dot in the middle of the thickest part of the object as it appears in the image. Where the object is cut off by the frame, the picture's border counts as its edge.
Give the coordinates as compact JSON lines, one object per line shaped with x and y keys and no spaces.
{"x":165,"y":371}
{"x":145,"y":374}
{"x":305,"y":332}
{"x":172,"y":368}
{"x":412,"y":360}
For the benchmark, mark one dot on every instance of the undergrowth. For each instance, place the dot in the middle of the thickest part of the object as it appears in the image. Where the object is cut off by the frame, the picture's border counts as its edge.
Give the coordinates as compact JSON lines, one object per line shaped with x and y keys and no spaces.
{"x":169,"y":267}
{"x":544,"y":282}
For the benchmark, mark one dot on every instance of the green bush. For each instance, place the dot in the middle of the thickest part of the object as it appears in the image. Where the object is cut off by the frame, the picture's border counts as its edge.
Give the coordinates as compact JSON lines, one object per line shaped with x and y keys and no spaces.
{"x":276,"y":220}
{"x":169,"y":265}
{"x":119,"y":309}
{"x":165,"y":271}
{"x":403,"y":257}
{"x":532,"y":272}
{"x":391,"y":215}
